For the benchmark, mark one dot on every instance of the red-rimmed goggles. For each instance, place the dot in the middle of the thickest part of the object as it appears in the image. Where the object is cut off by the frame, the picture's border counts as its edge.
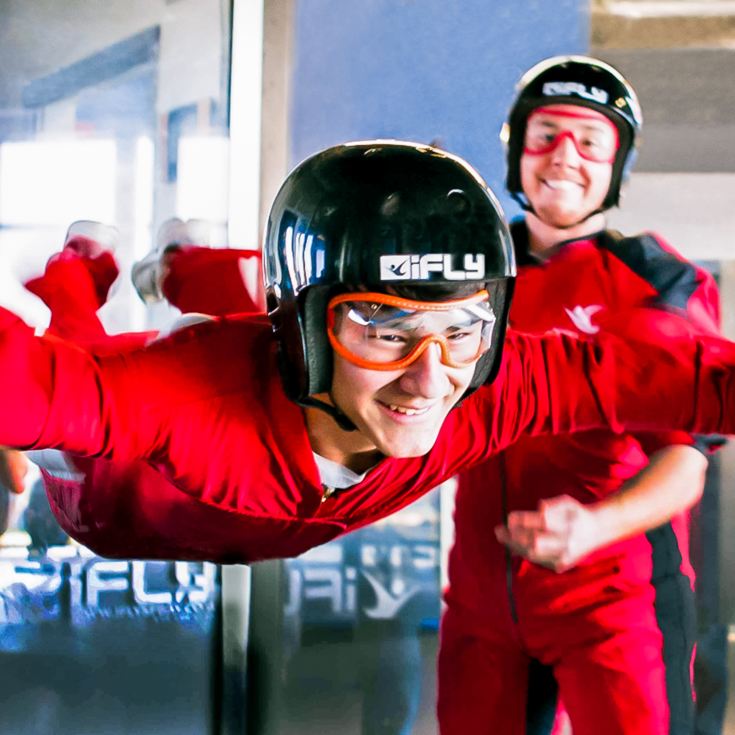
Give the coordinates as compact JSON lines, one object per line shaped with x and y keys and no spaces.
{"x":382,"y":332}
{"x":598,"y":143}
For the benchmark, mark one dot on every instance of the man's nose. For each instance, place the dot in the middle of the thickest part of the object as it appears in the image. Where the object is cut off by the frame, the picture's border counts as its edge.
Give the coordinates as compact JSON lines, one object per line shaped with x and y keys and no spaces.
{"x":427,"y":375}
{"x":565,"y":151}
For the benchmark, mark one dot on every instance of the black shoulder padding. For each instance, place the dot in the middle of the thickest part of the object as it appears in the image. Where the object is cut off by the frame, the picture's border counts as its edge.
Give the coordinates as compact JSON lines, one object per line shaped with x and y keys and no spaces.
{"x":674,"y":279}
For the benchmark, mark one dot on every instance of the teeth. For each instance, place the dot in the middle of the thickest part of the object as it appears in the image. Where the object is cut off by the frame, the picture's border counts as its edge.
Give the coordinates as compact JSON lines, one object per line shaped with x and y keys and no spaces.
{"x":407,"y":411}
{"x":561,"y":185}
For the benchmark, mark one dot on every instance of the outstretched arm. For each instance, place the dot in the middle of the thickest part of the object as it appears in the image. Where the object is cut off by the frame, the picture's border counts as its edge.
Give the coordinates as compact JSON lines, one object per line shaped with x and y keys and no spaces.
{"x":154,"y":404}
{"x":50,"y":391}
{"x":657,"y":374}
{"x":212,"y":281}
{"x":562,"y":531}
{"x":57,"y":394}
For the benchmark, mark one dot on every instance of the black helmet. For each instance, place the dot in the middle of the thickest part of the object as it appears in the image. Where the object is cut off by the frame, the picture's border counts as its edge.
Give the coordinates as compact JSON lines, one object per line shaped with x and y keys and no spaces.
{"x":576,"y":80}
{"x":342,"y":210}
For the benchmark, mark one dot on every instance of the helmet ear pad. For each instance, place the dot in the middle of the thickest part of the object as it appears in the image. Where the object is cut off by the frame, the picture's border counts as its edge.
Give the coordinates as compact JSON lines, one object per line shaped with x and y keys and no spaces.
{"x":319,"y":363}
{"x":285,"y":327}
{"x":305,"y":354}
{"x":623,"y":162}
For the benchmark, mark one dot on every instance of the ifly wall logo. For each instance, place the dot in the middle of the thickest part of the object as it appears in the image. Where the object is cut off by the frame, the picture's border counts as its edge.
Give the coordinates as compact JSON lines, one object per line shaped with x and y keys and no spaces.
{"x":563,"y":89}
{"x":422,"y":267}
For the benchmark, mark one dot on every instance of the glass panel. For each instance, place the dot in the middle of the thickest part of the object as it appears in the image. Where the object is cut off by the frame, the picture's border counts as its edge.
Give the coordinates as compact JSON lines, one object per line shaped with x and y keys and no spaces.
{"x":360,"y":629}
{"x":114,"y":112}
{"x":119,"y":117}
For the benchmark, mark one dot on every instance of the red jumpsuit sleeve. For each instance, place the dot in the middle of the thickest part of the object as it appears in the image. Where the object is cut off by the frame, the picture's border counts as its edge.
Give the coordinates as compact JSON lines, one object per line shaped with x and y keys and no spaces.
{"x":211,"y":281}
{"x":660,"y":375}
{"x":56,"y":394}
{"x":50,"y":392}
{"x":684,"y":288}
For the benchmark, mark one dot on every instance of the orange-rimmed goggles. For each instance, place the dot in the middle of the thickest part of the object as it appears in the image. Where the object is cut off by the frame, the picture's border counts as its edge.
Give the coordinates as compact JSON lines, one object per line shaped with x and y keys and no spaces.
{"x":382,"y":332}
{"x":598,"y":143}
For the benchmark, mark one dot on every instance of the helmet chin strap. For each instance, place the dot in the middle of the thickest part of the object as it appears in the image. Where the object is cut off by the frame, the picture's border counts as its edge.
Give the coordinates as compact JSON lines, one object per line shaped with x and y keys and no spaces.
{"x":342,"y":421}
{"x":599,"y":210}
{"x":520,"y":197}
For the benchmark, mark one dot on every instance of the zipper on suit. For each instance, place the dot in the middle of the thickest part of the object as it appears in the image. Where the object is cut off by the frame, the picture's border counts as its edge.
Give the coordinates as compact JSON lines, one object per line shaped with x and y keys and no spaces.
{"x":327,"y":492}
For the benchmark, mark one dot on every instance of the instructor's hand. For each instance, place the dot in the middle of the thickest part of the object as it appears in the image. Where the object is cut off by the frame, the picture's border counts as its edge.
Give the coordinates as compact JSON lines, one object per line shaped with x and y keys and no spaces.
{"x":557,"y":535}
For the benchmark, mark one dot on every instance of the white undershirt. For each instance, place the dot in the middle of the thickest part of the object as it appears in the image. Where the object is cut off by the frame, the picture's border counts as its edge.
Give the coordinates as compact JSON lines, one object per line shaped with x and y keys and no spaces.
{"x":335,"y":475}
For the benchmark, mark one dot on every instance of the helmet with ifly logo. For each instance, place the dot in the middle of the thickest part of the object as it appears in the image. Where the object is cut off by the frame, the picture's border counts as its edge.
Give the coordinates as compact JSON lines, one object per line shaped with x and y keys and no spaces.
{"x":381,"y":218}
{"x":582,"y":81}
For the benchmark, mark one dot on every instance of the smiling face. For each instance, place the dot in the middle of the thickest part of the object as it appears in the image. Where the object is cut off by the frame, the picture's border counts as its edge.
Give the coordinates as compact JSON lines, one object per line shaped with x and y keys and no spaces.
{"x":567,"y":161}
{"x":400,"y":365}
{"x":399,"y":412}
